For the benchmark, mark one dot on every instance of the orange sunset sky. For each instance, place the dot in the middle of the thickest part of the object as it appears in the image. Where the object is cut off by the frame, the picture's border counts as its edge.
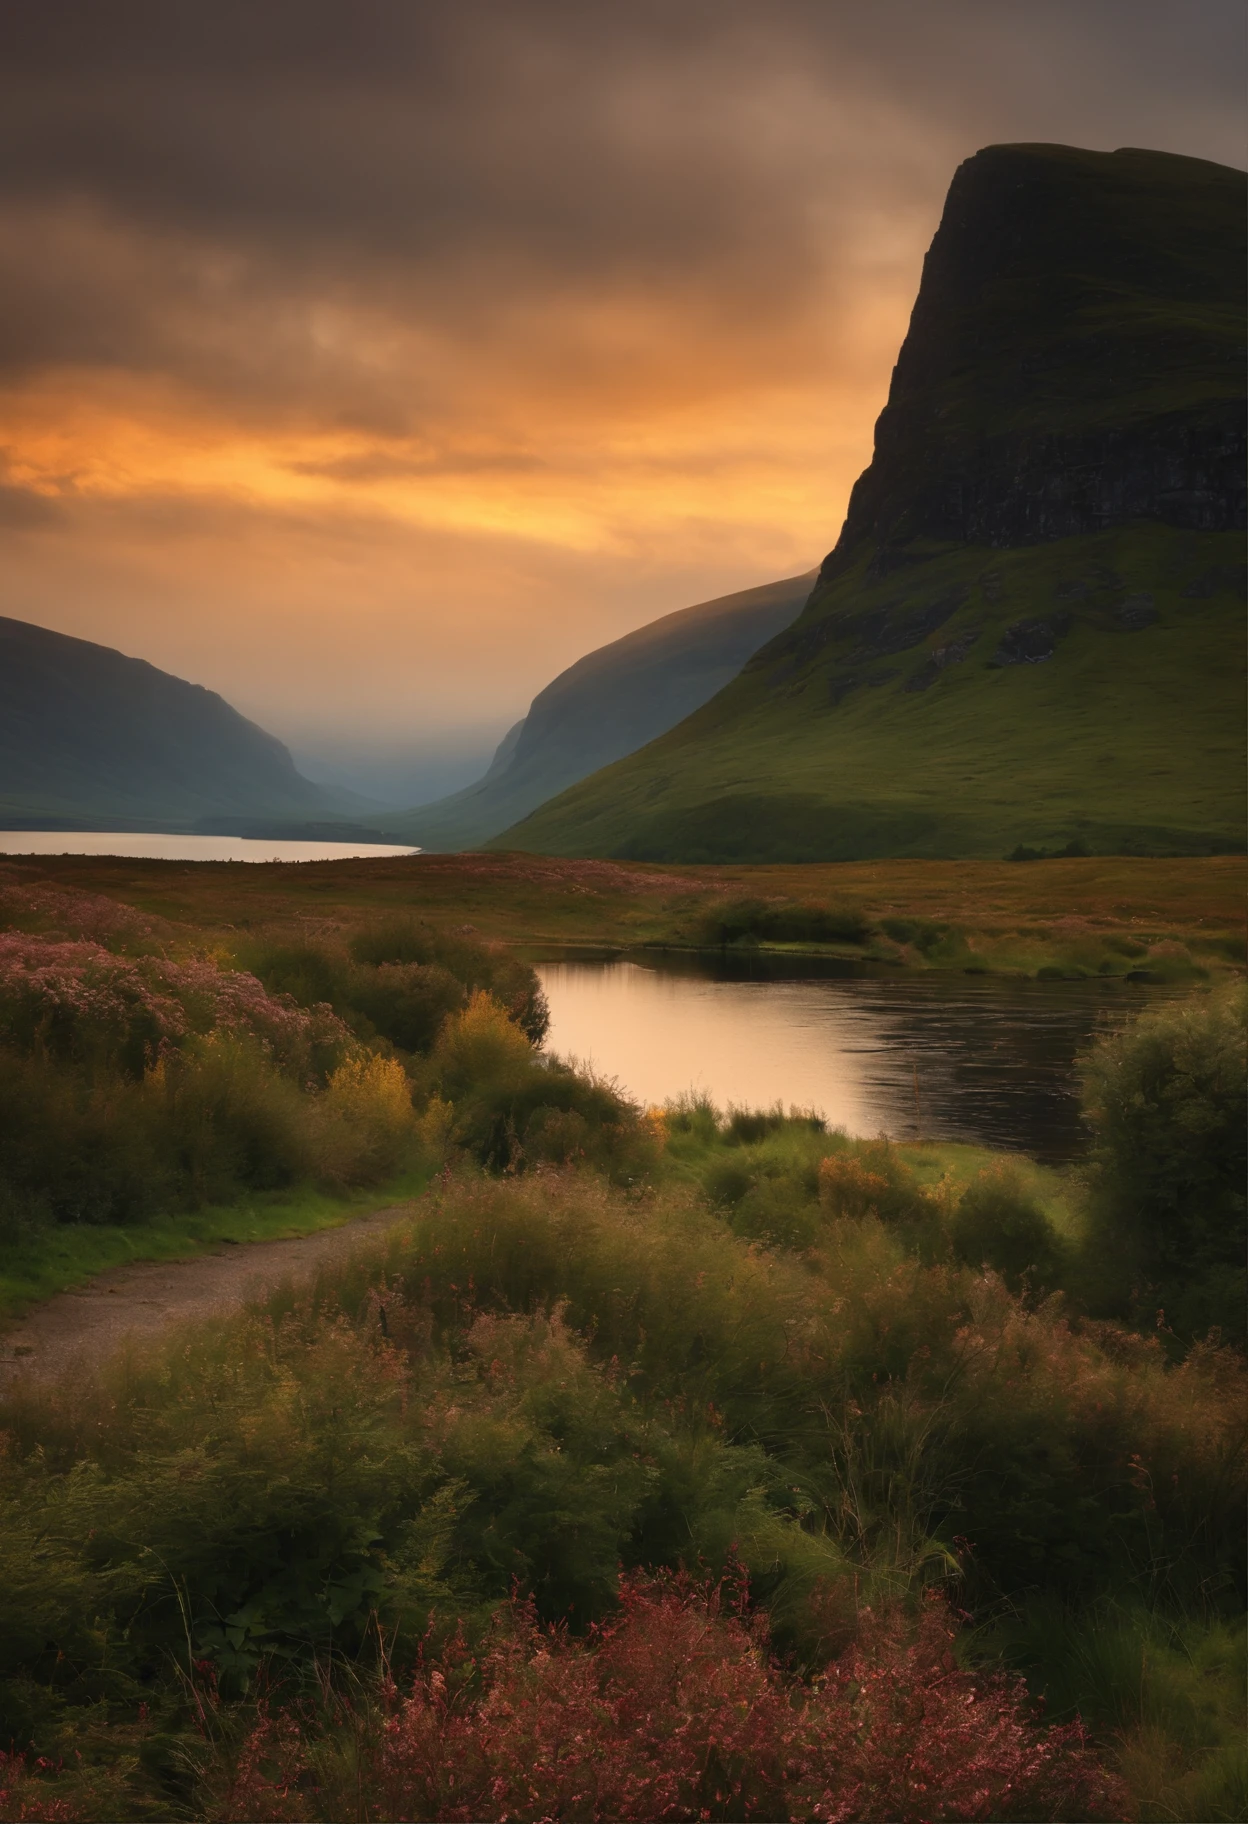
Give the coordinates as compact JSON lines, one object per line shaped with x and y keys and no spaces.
{"x":371,"y":363}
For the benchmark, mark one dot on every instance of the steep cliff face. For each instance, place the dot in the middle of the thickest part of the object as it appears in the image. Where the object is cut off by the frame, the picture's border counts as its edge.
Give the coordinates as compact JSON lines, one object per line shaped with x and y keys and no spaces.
{"x":1075,"y":358}
{"x":1031,"y":628}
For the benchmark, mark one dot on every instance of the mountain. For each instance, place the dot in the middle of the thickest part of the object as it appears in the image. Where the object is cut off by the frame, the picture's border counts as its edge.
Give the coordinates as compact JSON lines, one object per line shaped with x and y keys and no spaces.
{"x":1030,"y":632}
{"x":90,"y":739}
{"x":609,"y":703}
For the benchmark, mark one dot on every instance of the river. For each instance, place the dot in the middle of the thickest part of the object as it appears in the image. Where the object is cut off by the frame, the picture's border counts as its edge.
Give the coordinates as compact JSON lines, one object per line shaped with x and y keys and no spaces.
{"x":984,"y":1059}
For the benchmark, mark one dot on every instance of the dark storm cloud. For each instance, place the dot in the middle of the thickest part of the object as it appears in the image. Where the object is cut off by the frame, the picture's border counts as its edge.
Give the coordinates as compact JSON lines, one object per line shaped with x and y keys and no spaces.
{"x":183,"y":184}
{"x":371,"y":361}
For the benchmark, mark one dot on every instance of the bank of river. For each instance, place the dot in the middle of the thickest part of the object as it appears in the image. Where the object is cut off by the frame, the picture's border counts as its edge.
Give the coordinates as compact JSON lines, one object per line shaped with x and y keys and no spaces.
{"x":985,"y":1060}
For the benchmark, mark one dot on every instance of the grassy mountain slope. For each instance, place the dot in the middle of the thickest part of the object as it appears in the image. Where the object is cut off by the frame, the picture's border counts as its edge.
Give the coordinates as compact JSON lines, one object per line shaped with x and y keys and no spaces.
{"x":609,"y":703}
{"x":1031,"y":629}
{"x":92,"y":739}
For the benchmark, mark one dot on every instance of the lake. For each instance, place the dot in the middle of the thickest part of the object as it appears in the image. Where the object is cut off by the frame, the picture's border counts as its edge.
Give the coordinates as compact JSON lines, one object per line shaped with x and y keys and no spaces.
{"x":186,"y":848}
{"x":989,"y":1060}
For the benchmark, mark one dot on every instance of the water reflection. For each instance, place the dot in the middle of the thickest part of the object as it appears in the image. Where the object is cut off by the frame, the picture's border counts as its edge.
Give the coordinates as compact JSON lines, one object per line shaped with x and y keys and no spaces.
{"x":186,"y":848}
{"x":986,"y":1060}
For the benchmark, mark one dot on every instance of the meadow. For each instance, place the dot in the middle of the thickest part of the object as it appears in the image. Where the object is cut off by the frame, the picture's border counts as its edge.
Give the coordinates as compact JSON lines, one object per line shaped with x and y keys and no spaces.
{"x":655,"y":1463}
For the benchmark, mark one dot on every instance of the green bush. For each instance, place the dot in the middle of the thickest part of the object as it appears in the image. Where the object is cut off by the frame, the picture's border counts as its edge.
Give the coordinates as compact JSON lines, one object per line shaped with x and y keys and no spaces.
{"x":515,"y":1107}
{"x":77,"y":1148}
{"x":743,"y":921}
{"x":1165,"y":1099}
{"x":310,"y":973}
{"x":400,"y":979}
{"x":998,"y":1224}
{"x":480,"y":967}
{"x":365,"y":1126}
{"x":230,"y":1121}
{"x":406,"y":1003}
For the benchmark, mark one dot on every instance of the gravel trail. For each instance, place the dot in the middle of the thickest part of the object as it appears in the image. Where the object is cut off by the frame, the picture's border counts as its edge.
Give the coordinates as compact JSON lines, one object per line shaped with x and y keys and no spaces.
{"x":82,"y":1328}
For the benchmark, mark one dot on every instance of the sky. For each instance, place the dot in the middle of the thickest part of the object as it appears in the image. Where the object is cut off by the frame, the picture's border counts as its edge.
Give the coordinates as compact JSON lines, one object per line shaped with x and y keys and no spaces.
{"x":371,"y":361}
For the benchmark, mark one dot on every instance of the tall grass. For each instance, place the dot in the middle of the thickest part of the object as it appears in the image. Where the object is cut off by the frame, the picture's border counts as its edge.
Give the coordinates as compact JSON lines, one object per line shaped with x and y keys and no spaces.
{"x":682,"y":1346}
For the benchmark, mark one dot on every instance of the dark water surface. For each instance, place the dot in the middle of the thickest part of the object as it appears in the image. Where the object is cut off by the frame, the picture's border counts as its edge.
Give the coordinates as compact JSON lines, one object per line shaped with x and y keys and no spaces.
{"x":943,"y":1057}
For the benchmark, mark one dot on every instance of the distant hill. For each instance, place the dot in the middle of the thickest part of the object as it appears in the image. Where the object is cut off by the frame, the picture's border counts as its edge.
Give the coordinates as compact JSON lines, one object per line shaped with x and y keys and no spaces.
{"x":90,"y":739}
{"x":1031,"y":630}
{"x":609,"y":703}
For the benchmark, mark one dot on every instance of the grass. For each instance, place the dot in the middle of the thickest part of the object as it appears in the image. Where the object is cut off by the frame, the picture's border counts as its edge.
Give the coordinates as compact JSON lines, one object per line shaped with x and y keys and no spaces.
{"x":1124,"y":740}
{"x":1166,"y":915}
{"x":66,"y":1255}
{"x":543,"y":1377}
{"x":954,"y":1164}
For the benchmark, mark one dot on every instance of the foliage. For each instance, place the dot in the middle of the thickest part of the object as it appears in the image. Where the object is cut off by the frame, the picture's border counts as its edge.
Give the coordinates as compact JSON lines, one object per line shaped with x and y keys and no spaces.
{"x":132,"y":1084}
{"x":1169,"y":1688}
{"x":76,"y":1000}
{"x":366,"y":1120}
{"x":744,"y":921}
{"x":1165,"y":1099}
{"x":538,"y":1379}
{"x":675,"y":1709}
{"x":999,"y":1224}
{"x":480,"y":967}
{"x":516,"y":1107}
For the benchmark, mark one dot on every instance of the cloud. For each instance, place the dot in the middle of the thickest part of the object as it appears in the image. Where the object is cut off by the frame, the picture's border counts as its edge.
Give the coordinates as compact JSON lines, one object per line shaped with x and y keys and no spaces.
{"x":474,"y":288}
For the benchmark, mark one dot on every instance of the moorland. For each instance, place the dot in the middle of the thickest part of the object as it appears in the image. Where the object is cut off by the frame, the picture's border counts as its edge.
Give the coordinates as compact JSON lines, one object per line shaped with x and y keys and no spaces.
{"x":673,"y":1461}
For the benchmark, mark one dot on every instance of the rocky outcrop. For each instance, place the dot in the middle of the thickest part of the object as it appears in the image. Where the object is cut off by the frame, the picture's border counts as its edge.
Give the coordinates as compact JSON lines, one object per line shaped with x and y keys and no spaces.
{"x":1074,"y":360}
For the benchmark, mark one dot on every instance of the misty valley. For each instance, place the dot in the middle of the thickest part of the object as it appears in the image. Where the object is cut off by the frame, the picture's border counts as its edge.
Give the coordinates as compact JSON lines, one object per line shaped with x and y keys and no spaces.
{"x":700,"y":1275}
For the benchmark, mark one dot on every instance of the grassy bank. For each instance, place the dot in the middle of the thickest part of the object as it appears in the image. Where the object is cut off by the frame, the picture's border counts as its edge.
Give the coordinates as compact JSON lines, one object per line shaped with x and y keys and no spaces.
{"x":70,"y":1254}
{"x":1171,"y":919}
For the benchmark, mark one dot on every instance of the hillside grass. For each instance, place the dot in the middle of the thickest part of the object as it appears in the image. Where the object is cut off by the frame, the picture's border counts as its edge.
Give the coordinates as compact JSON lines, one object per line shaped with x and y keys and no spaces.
{"x":1127,"y":740}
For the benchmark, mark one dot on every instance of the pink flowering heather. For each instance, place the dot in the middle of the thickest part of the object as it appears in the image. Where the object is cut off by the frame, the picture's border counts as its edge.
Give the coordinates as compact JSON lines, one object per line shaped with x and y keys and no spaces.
{"x":677,"y":1710}
{"x":65,"y":912}
{"x":79,"y":998}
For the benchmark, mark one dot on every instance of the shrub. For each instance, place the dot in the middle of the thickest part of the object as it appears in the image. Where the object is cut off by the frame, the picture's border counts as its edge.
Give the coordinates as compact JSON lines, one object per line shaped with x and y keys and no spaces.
{"x":874,"y":1180}
{"x":1065,"y":1456}
{"x":998,"y":1224}
{"x":75,"y":1149}
{"x":513,"y":1105}
{"x":921,"y":932}
{"x":365,"y":1121}
{"x":743,"y":921}
{"x":407,"y":1003}
{"x":482,"y":1049}
{"x":79,"y":1002}
{"x":1165,"y":1099}
{"x":676,"y":1710}
{"x":229,"y":1120}
{"x":479,"y":967}
{"x":312,"y":974}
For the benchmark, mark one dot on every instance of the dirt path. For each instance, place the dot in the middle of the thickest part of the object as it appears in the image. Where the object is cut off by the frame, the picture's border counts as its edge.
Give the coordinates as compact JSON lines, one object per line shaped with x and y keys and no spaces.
{"x":83,"y":1327}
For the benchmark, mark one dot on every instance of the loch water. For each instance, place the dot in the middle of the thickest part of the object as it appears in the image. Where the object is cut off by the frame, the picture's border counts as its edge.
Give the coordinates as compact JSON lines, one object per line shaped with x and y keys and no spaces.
{"x":984,"y":1059}
{"x":156,"y":847}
